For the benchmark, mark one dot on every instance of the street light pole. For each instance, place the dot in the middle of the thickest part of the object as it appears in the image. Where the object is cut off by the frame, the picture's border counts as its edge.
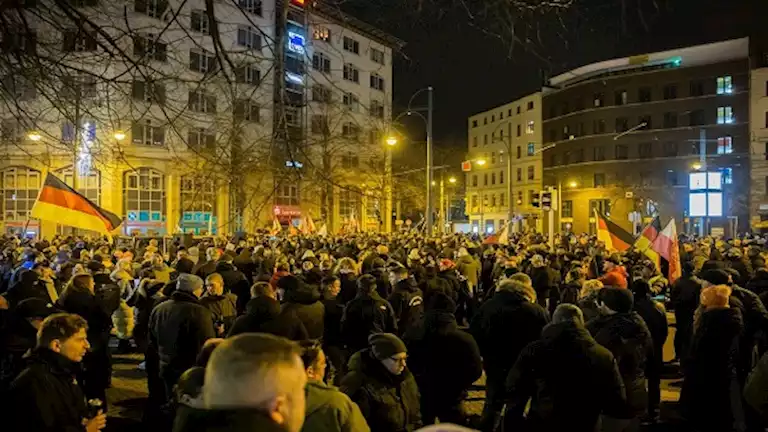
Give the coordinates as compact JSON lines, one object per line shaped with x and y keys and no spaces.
{"x":509,"y":184}
{"x":429,"y":162}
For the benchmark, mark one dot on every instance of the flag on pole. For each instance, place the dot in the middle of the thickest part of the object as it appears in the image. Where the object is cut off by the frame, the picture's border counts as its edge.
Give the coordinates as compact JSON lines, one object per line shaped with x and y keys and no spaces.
{"x":645,"y":241}
{"x":309,"y":225}
{"x":504,"y":235}
{"x":276,"y":227}
{"x":614,"y":236}
{"x":667,"y":245}
{"x":60,"y":203}
{"x":323,"y":231}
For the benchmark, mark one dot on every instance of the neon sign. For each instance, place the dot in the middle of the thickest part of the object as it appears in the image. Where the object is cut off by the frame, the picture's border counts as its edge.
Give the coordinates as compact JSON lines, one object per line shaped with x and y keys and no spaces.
{"x":296,"y":42}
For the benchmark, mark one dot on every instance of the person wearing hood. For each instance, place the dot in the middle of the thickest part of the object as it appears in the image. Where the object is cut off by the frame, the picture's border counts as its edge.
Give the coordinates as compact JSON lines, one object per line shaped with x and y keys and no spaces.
{"x":544,"y":279}
{"x":27,"y":286}
{"x":564,"y":395}
{"x":615,"y":275}
{"x":235,"y":281}
{"x":366,"y":314}
{"x":684,"y":298}
{"x":222,"y":304}
{"x":244,"y":263}
{"x":328,"y":409}
{"x":711,"y":396}
{"x":445,"y":361}
{"x":624,"y":333}
{"x":333,"y":343}
{"x":263,"y":315}
{"x":18,"y":337}
{"x":304,"y":300}
{"x":178,"y":328}
{"x":502,"y":327}
{"x":407,"y":301}
{"x":469,"y":267}
{"x":382,"y":386}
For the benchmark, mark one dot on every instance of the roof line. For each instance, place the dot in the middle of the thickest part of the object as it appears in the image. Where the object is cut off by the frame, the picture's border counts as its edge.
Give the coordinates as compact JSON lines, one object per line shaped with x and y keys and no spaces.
{"x":346,"y":19}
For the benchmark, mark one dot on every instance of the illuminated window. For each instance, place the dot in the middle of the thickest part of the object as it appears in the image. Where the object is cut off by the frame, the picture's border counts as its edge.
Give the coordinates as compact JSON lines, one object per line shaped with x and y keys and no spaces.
{"x":531,"y":148}
{"x":144,"y":195}
{"x":529,"y":127}
{"x":20,"y":187}
{"x":727,"y":175}
{"x":724,"y":115}
{"x":145,"y":133}
{"x":351,"y":101}
{"x":531,"y":172}
{"x":252,"y":6}
{"x":349,"y":203}
{"x":321,"y":33}
{"x":198,"y":194}
{"x":725,"y":145}
{"x":725,"y":84}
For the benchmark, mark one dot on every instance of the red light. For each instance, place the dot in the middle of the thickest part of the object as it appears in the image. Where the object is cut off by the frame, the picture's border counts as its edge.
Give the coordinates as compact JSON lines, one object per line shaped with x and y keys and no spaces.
{"x":466,"y":166}
{"x":299,"y":3}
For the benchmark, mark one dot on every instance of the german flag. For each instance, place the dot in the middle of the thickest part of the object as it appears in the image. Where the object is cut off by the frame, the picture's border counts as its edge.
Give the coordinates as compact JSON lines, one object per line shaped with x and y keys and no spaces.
{"x":645,"y":241}
{"x":614,"y":237}
{"x":60,"y":203}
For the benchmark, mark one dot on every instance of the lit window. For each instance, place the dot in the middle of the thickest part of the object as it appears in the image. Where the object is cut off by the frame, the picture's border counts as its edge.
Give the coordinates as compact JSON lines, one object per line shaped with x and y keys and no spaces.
{"x":725,"y":145}
{"x":724,"y":115}
{"x":728,"y":175}
{"x":321,"y":33}
{"x":529,"y":127}
{"x":20,"y":187}
{"x":725,"y":84}
{"x":531,"y":148}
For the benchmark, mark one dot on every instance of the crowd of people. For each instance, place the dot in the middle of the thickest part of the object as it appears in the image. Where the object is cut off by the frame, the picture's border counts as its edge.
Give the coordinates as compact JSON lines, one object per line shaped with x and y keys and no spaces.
{"x":383,"y":332}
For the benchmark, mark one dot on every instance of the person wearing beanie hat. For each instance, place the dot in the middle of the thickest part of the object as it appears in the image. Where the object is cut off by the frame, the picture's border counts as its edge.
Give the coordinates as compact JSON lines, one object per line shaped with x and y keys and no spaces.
{"x":304,"y":299}
{"x":366,"y":314}
{"x":625,"y":334}
{"x":615,"y":273}
{"x":382,"y":386}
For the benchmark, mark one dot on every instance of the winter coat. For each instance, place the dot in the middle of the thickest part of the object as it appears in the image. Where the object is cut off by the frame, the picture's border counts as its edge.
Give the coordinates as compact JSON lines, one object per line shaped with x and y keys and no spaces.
{"x":711,"y":397}
{"x":28,"y":286}
{"x":305,"y":302}
{"x":383,"y":286}
{"x":755,"y":319}
{"x":565,"y":395}
{"x":178,"y":328}
{"x":655,"y":319}
{"x":445,"y":360}
{"x":589,"y":307}
{"x":263,"y":315}
{"x":230,"y":420}
{"x":235,"y":283}
{"x":244,"y":262}
{"x":684,"y":298}
{"x":334,"y":311}
{"x":616,"y":278}
{"x":502,"y":327}
{"x":569,"y":293}
{"x":543,"y":279}
{"x":203,"y":269}
{"x":364,"y":315}
{"x":223,"y":308}
{"x":46,"y":396}
{"x":408,"y":303}
{"x":629,"y":340}
{"x":744,"y":267}
{"x":390,"y":403}
{"x":348,"y":287}
{"x":87,"y":305}
{"x":330,"y":410}
{"x":454,"y":283}
{"x":17,"y":338}
{"x":469,"y":267}
{"x":756,"y":389}
{"x":759,"y":282}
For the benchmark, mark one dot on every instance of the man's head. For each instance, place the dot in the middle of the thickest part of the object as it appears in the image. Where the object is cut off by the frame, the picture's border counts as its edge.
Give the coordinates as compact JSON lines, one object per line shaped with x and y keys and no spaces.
{"x":519,"y":283}
{"x":714,"y":277}
{"x":314,"y":360}
{"x":397,"y":273}
{"x":190,"y":284}
{"x":263,"y":289}
{"x":390,"y":350}
{"x":212,"y":254}
{"x":611,"y":262}
{"x":331,"y":286}
{"x":189,"y":389}
{"x":261,"y":371}
{"x":83,"y":282}
{"x":214,"y":284}
{"x":568,"y":313}
{"x":65,"y":334}
{"x":615,"y":300}
{"x":34,"y":310}
{"x":366,"y":284}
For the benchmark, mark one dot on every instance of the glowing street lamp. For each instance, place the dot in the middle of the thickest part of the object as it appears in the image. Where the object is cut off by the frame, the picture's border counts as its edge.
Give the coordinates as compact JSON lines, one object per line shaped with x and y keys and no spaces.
{"x":391,"y":141}
{"x":696,"y":166}
{"x":34,"y":136}
{"x":573,"y":184}
{"x":481,"y":162}
{"x":452,"y":180}
{"x":119,"y":135}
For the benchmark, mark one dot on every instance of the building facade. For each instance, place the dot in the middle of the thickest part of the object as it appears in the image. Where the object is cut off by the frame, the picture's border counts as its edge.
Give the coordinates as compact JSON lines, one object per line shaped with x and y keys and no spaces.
{"x":759,"y":137}
{"x":508,"y":133}
{"x":623,"y":135}
{"x":164,"y":112}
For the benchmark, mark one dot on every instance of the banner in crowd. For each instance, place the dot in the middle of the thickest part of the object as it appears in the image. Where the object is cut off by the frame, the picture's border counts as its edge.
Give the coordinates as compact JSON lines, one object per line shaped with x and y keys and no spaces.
{"x":614,"y":236}
{"x":645,"y":241}
{"x":667,"y":245}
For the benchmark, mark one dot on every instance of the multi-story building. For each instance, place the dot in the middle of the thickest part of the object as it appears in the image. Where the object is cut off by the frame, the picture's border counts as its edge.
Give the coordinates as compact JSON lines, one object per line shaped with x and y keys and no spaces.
{"x":623,"y":135}
{"x":758,"y":214}
{"x":508,"y":133}
{"x":166,"y":112}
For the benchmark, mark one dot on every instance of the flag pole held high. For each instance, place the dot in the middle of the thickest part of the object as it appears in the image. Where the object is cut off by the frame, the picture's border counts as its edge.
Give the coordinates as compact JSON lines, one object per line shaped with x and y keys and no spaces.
{"x":60,"y":203}
{"x":615,"y":237}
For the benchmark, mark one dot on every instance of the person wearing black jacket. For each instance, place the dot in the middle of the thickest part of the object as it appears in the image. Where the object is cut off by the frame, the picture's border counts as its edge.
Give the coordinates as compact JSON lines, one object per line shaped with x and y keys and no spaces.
{"x":235,"y":281}
{"x":304,"y":300}
{"x":502,"y":327}
{"x":178,"y":328}
{"x":203,"y":269}
{"x":333,"y":343}
{"x":18,"y":337}
{"x":366,"y":314}
{"x":445,"y":362}
{"x":46,"y":396}
{"x":564,"y":395}
{"x":684,"y":298}
{"x":407,"y":301}
{"x":263,"y":315}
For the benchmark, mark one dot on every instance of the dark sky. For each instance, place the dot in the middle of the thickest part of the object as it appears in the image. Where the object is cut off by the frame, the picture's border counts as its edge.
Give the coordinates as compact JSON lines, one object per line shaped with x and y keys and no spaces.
{"x":472,"y":69}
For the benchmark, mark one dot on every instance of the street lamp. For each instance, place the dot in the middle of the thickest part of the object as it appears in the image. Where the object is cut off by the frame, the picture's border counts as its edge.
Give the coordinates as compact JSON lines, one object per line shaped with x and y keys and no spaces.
{"x":696,"y":166}
{"x":391,"y":141}
{"x":119,"y":135}
{"x":452,"y":180}
{"x":34,"y":136}
{"x":481,"y":162}
{"x":573,"y":184}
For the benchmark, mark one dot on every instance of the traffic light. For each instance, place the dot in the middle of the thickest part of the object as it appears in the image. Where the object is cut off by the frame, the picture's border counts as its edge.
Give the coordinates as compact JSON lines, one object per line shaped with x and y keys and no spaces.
{"x":546,"y":200}
{"x":536,"y":200}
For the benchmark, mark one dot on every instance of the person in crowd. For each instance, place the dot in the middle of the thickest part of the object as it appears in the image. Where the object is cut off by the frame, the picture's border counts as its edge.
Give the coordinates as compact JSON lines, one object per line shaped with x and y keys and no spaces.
{"x":235,"y":281}
{"x":328,"y":409}
{"x":188,"y":396}
{"x":588,"y":299}
{"x":122,"y":317}
{"x":304,"y":300}
{"x":223,"y":305}
{"x":18,"y":336}
{"x":445,"y":361}
{"x":366,"y":314}
{"x":46,"y":396}
{"x":253,"y":382}
{"x":263,"y":315}
{"x":684,"y":299}
{"x":346,"y":271}
{"x":711,"y":396}
{"x":542,"y":278}
{"x":178,"y":328}
{"x":756,"y":389}
{"x":407,"y":301}
{"x":333,"y":343}
{"x":502,"y":327}
{"x":469,"y":267}
{"x":447,"y":272}
{"x":626,"y":336}
{"x":570,"y":291}
{"x":615,"y":275}
{"x":203,"y":269}
{"x":655,"y":318}
{"x":564,"y":395}
{"x":382,"y":386}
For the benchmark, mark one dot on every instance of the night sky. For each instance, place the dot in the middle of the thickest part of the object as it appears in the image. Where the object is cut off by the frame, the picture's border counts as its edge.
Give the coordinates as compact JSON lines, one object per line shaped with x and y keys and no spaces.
{"x":464,"y":51}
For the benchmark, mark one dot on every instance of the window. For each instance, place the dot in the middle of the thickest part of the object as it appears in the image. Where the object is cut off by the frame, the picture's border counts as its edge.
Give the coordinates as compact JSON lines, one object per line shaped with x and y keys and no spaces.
{"x":518,"y":109}
{"x":727,"y":175}
{"x":697,"y":88}
{"x":351,"y":73}
{"x":598,"y":126}
{"x":474,"y":180}
{"x":202,"y":62}
{"x":199,"y":138}
{"x":252,"y":6}
{"x":567,"y":210}
{"x":474,"y":201}
{"x":149,"y":91}
{"x":248,"y":37}
{"x":601,"y":205}
{"x":501,"y":199}
{"x":622,"y":152}
{"x":670,"y":178}
{"x":493,"y":200}
{"x":377,"y":56}
{"x":485,"y":179}
{"x":377,"y":109}
{"x":153,"y":8}
{"x":79,"y":41}
{"x":529,"y":127}
{"x":247,"y":110}
{"x":646,"y":150}
{"x":247,"y":74}
{"x":474,"y":123}
{"x":145,"y":133}
{"x":20,"y":187}
{"x":598,"y":153}
{"x":622,"y":124}
{"x":493,"y":178}
{"x":670,"y":149}
{"x":321,"y":62}
{"x":350,"y":203}
{"x":200,"y":22}
{"x":519,"y":152}
{"x":519,"y":197}
{"x":620,"y":97}
{"x":147,"y":46}
{"x":89,"y":185}
{"x":474,"y":141}
{"x":501,"y":177}
{"x":144,"y":195}
{"x":644,"y":94}
{"x":599,"y":179}
{"x":493,"y":118}
{"x":531,"y":148}
{"x":350,"y":160}
{"x":670,"y":92}
{"x":531,"y":172}
{"x":319,"y":124}
{"x":533,"y":196}
{"x":566,"y":132}
{"x":198,"y":195}
{"x":351,"y":45}
{"x":202,"y":102}
{"x":519,"y":128}
{"x":578,"y":155}
{"x":696,"y":117}
{"x":485,"y":120}
{"x":21,"y":89}
{"x":493,"y":158}
{"x":485,"y":139}
{"x":766,"y":151}
{"x":724,"y":85}
{"x":322,"y":34}
{"x":530,"y":105}
{"x":670,"y":119}
{"x":725,"y":145}
{"x":724,"y":115}
{"x":321,"y":93}
{"x":18,"y":40}
{"x":598,"y":100}
{"x":12,"y":131}
{"x":377,"y":82}
{"x":646,"y":120}
{"x":519,"y":174}
{"x":350,"y":131}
